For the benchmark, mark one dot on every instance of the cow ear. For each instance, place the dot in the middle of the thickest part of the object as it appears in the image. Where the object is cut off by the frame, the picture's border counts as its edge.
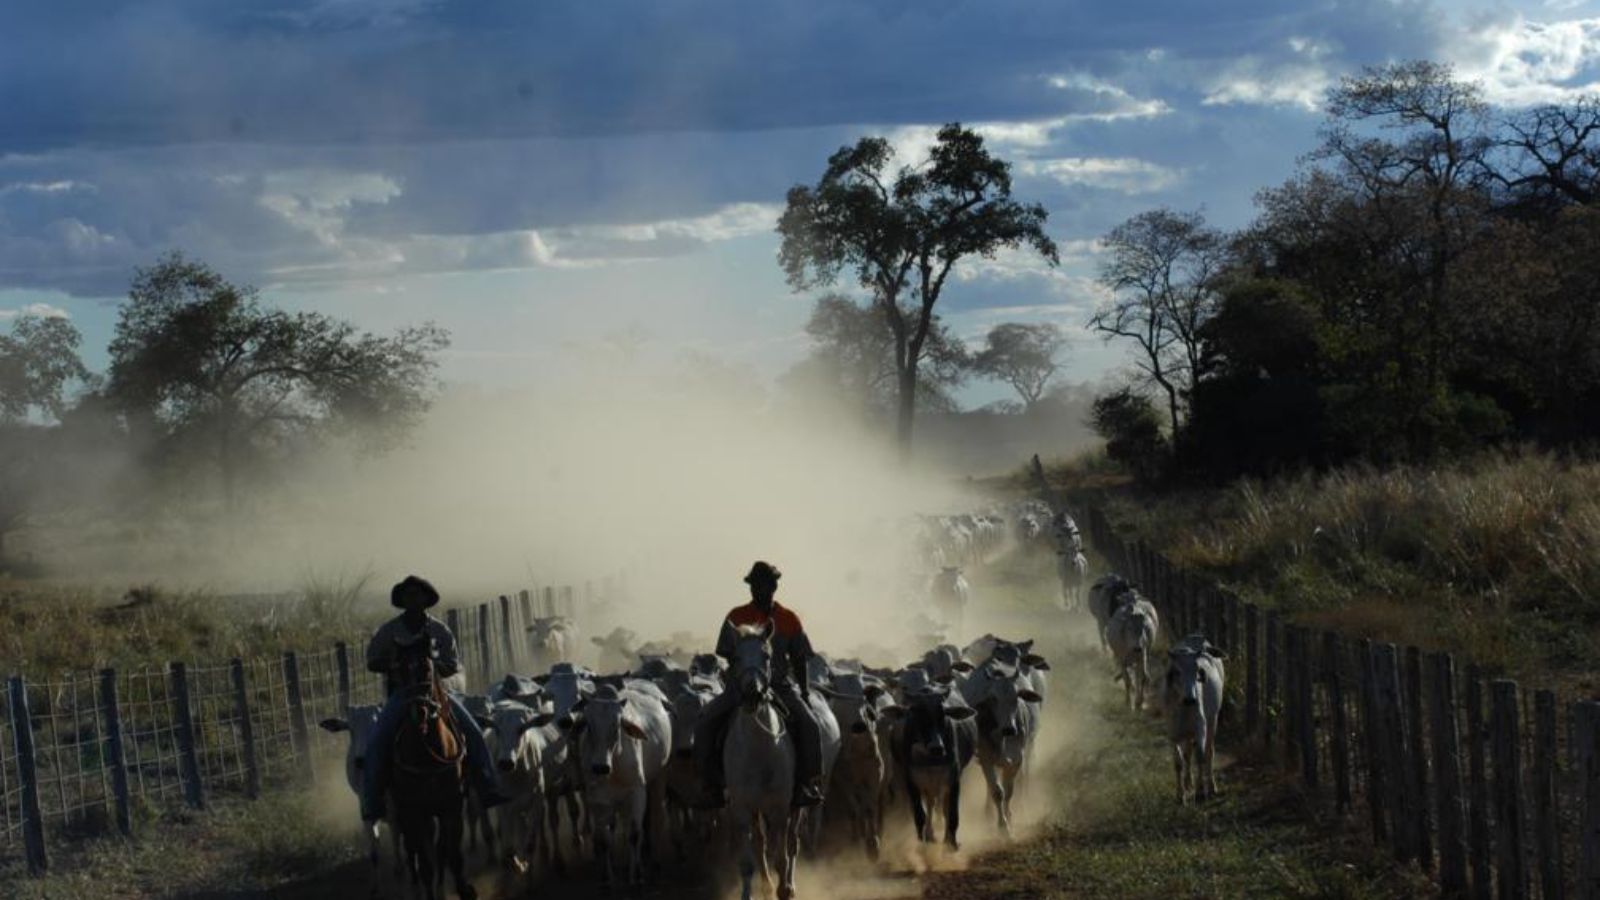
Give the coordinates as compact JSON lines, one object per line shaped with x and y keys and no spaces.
{"x":960,"y":713}
{"x":1029,"y":696}
{"x":945,"y":679}
{"x":1036,"y":661}
{"x":633,"y":729}
{"x":334,"y":725}
{"x":484,"y":722}
{"x":1215,"y":653}
{"x":894,"y":711}
{"x":872,"y":691}
{"x":542,"y":679}
{"x":1026,"y":646}
{"x":962,"y":666}
{"x":538,"y":721}
{"x":598,"y":642}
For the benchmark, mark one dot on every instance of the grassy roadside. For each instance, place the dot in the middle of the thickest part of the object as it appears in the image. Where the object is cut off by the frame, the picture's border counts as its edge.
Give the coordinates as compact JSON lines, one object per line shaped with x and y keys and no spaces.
{"x":1117,"y":832}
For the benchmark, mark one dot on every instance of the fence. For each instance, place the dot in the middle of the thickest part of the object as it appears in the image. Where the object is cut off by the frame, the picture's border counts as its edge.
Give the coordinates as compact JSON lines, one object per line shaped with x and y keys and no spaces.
{"x":1492,"y":789}
{"x":95,"y":752}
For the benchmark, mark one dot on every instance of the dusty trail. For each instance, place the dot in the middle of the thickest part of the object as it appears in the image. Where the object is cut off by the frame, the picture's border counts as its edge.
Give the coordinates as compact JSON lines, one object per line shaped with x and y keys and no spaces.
{"x":1014,"y":599}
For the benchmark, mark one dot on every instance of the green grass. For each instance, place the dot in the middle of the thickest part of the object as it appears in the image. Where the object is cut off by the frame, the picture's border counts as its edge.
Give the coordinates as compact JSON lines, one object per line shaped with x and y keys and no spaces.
{"x":1118,"y":832}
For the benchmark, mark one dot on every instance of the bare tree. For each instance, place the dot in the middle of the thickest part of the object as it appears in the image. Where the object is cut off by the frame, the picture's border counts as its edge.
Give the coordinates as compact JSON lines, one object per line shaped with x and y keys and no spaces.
{"x":1162,"y":270}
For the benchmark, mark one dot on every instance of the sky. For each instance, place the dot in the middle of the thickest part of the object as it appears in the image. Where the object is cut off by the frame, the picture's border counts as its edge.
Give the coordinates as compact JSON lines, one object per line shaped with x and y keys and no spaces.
{"x":545,"y":177}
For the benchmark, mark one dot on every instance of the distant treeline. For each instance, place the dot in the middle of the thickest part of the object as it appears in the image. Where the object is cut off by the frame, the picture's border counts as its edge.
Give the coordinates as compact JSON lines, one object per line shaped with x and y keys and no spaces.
{"x":1426,"y":284}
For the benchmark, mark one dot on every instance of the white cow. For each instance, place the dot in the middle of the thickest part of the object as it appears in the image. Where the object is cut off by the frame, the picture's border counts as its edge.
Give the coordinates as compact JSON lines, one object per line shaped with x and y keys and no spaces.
{"x":1073,"y":571}
{"x":1008,"y":720}
{"x":950,"y":595}
{"x":554,"y":640}
{"x":1193,"y":696}
{"x":358,"y":722}
{"x":520,"y":740}
{"x":1131,"y":634}
{"x":625,"y":739}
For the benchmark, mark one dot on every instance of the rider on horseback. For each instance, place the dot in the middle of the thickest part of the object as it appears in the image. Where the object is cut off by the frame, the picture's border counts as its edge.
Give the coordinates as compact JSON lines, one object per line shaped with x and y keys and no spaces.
{"x":414,"y":595}
{"x":789,"y":686}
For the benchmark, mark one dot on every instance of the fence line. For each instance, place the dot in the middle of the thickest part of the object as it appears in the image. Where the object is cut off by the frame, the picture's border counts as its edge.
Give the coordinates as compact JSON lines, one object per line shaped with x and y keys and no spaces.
{"x":1493,"y":790}
{"x":89,"y":753}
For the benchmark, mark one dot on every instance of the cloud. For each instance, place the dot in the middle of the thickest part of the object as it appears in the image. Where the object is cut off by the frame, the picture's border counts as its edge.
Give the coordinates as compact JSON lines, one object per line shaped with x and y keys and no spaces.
{"x":1299,"y":78}
{"x":1123,"y":174}
{"x":40,"y":310}
{"x":1521,"y":62}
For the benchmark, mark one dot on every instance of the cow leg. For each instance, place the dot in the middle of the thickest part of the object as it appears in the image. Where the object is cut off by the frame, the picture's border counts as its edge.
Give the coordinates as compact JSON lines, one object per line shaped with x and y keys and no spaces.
{"x":1179,"y":769}
{"x":995,"y":797}
{"x":1207,"y":776}
{"x":919,"y":816}
{"x":952,"y":811}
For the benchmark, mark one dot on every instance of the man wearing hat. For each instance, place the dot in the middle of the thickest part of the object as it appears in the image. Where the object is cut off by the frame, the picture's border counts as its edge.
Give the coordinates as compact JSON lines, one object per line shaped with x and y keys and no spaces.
{"x":790,"y":651}
{"x":414,"y":596}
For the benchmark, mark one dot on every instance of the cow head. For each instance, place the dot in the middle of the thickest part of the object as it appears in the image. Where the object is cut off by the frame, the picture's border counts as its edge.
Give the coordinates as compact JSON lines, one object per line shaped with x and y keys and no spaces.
{"x":506,"y":728}
{"x":854,"y":701}
{"x":358,"y":723}
{"x":930,"y":719}
{"x":1190,"y":666}
{"x":1012,"y":706}
{"x":605,"y":723}
{"x":687,"y":704}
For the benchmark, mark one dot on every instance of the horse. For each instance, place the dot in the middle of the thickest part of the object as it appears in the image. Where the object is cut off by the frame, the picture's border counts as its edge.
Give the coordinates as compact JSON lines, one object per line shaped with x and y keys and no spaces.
{"x":427,"y":781}
{"x":759,"y":765}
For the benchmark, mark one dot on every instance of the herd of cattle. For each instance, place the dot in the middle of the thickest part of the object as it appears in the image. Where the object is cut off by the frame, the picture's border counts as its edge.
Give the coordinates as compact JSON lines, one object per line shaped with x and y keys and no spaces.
{"x":607,"y":757}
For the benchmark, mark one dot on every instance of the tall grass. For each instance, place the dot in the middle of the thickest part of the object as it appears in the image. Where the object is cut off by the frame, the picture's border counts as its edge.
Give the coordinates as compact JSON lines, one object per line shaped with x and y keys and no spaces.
{"x":1497,"y":558}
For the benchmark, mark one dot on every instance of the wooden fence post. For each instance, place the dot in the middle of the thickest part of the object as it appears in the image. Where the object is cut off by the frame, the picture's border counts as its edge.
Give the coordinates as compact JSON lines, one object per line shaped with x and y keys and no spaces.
{"x":183,"y":718}
{"x":247,"y":730}
{"x":549,"y":593}
{"x":1379,"y":799}
{"x":1392,"y":747}
{"x":1478,"y":790}
{"x":1270,"y":702}
{"x":485,"y":646}
{"x":1305,"y":713}
{"x":299,"y":729}
{"x":526,"y":605}
{"x":510,"y":644}
{"x":1546,"y":805}
{"x":1447,"y":777}
{"x":341,"y":658}
{"x":116,"y":757}
{"x":1339,"y":745}
{"x":1586,"y":731}
{"x":28,"y":776}
{"x":1510,"y":838}
{"x":1252,"y":665}
{"x":1418,"y":774}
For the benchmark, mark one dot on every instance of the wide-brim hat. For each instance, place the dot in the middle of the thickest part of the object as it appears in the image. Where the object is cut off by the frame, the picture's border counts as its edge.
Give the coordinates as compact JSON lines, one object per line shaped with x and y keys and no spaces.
{"x":763,"y":573}
{"x":412,"y":582}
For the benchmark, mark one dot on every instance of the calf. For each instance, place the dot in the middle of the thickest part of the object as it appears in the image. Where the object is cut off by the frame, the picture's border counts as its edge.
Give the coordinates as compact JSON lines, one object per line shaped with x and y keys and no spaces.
{"x":1193,"y":696}
{"x":625,"y":738}
{"x":1131,"y":633}
{"x":554,"y":640}
{"x":937,"y":740}
{"x":683,"y":784}
{"x":1008,"y":719}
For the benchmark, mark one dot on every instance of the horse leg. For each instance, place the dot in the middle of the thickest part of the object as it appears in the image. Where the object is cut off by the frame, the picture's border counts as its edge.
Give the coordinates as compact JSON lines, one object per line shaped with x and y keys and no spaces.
{"x":450,"y":855}
{"x":787,"y":849}
{"x":742,"y":828}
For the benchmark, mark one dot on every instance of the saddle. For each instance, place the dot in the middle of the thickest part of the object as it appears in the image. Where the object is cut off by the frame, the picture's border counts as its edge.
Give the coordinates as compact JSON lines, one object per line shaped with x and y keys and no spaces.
{"x":429,"y":741}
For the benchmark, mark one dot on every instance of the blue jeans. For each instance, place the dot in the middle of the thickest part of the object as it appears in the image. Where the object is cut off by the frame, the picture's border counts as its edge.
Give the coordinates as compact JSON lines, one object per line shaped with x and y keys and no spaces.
{"x":375,"y":774}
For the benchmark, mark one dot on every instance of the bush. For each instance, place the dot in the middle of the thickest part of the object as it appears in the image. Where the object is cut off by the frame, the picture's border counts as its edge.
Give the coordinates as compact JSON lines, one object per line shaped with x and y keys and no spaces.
{"x":1132,"y":431}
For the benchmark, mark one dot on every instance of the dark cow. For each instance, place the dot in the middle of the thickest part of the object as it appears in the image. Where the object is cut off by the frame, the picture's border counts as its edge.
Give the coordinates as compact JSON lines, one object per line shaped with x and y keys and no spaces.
{"x":937,"y":742}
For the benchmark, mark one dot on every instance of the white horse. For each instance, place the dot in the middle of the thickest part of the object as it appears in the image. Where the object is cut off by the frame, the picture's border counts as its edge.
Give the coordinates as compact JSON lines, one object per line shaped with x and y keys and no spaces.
{"x":759,"y":765}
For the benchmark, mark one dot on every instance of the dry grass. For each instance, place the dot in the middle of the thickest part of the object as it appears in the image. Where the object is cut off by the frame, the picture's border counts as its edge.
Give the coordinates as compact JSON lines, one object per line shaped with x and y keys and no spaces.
{"x":1497,"y":559}
{"x":46,"y":628}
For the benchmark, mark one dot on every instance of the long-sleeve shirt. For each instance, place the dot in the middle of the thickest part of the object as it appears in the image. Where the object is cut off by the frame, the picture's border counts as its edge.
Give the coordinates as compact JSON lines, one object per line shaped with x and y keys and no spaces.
{"x":789,"y":640}
{"x":383,"y":647}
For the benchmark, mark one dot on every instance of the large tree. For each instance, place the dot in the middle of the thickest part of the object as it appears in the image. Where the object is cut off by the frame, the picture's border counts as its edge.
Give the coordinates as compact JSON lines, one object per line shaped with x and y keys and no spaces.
{"x":39,"y":366}
{"x":901,"y":232}
{"x":853,"y":358}
{"x":1025,"y":356}
{"x":203,"y":366}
